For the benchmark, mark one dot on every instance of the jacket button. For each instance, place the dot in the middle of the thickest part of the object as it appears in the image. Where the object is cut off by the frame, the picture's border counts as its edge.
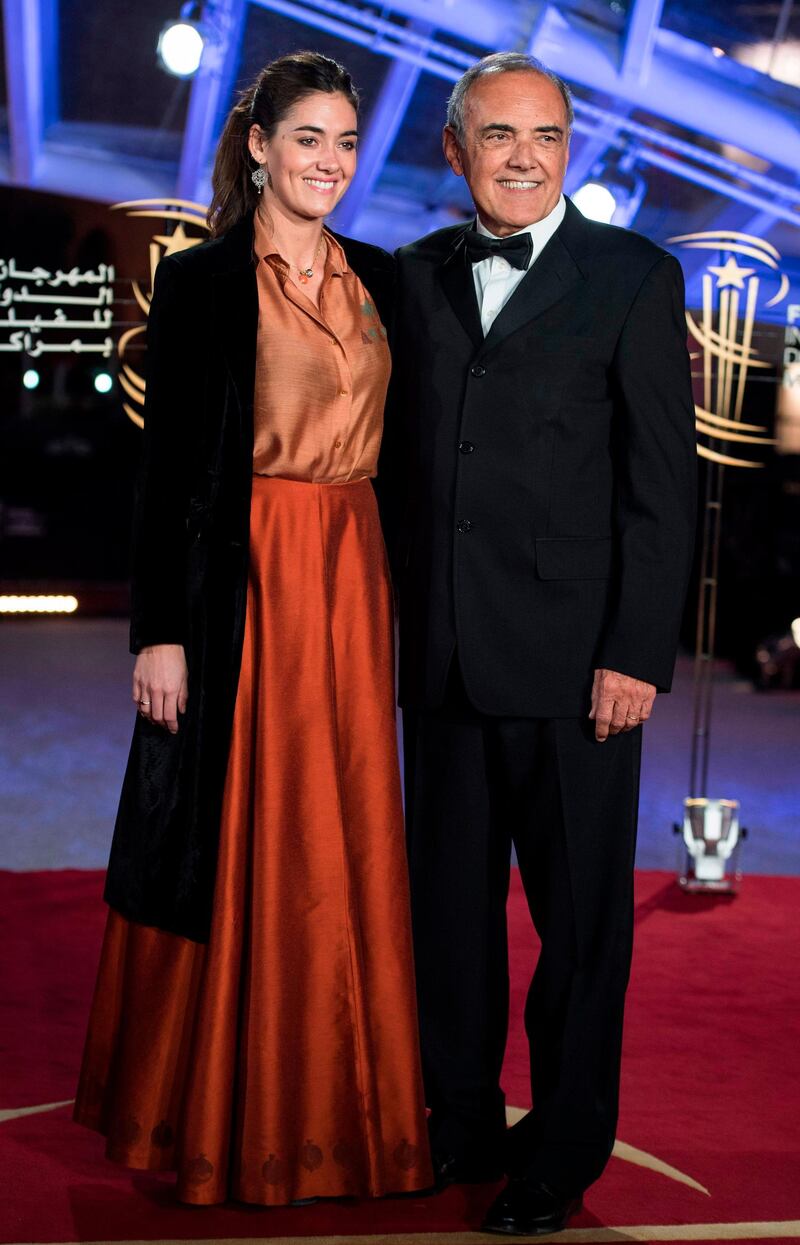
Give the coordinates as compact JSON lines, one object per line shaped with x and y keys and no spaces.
{"x":464,"y":525}
{"x":465,"y":447}
{"x":478,"y":370}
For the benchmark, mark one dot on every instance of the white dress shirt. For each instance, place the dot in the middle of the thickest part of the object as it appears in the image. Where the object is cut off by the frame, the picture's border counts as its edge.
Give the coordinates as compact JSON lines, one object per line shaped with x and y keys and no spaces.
{"x":496,"y":279}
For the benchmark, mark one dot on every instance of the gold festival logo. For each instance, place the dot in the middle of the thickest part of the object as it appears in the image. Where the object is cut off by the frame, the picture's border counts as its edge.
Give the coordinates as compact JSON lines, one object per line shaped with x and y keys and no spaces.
{"x":184,"y":212}
{"x":730,"y":299}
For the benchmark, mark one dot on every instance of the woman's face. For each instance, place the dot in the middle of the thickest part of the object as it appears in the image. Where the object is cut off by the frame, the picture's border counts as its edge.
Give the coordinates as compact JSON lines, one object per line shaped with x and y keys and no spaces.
{"x":311,"y":158}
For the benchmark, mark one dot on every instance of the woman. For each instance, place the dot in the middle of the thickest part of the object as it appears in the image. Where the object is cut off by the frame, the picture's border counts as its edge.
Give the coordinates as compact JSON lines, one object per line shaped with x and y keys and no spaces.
{"x":254,"y":1022}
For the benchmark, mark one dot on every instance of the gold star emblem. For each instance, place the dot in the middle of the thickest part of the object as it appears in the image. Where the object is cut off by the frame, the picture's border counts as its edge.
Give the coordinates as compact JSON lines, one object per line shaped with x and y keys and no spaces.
{"x":730,"y":274}
{"x":177,"y":241}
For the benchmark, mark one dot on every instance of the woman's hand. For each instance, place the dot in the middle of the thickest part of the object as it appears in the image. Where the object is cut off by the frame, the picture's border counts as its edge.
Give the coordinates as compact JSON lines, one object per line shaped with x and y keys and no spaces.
{"x":161,"y":684}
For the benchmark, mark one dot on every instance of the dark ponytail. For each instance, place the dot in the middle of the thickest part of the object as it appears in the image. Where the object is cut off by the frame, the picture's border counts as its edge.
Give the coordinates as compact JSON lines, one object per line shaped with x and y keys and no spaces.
{"x":278,"y":87}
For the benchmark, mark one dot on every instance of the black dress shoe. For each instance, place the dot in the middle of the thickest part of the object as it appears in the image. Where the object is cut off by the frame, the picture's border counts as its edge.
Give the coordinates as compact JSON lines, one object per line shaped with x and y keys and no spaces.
{"x":447,"y":1170}
{"x":529,"y":1208}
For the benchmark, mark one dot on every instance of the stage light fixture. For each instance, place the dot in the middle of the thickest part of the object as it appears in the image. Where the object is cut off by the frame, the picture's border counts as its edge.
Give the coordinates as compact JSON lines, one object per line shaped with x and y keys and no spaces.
{"x":180,"y":47}
{"x":615,"y":190}
{"x":39,"y":604}
{"x":104,"y":382}
{"x":712,"y":839}
{"x":30,"y":378}
{"x":596,"y":202}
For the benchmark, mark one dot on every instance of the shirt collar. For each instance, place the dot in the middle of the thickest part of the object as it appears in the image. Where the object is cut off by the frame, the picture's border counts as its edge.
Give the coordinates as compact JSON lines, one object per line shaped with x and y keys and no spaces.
{"x":541,"y":231}
{"x":337,"y":260}
{"x":263,"y":248}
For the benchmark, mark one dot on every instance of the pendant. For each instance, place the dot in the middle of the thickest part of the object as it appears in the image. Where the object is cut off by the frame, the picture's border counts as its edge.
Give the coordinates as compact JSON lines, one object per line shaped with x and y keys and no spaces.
{"x":304,"y":274}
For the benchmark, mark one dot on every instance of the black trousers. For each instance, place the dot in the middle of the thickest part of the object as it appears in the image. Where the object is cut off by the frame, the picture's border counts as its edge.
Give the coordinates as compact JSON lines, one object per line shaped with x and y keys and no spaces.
{"x":474,"y":785}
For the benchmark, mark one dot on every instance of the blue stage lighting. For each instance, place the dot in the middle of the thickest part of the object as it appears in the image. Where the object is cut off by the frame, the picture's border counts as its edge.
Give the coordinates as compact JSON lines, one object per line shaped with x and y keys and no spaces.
{"x":180,"y":48}
{"x":104,"y":382}
{"x":31,"y":378}
{"x":615,"y":190}
{"x":595,"y":201}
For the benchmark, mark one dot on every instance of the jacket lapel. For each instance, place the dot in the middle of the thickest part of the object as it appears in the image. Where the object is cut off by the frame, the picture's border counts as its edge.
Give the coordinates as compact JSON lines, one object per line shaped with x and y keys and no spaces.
{"x":375,"y":271}
{"x":552,"y":276}
{"x":459,"y":286}
{"x":236,"y":307}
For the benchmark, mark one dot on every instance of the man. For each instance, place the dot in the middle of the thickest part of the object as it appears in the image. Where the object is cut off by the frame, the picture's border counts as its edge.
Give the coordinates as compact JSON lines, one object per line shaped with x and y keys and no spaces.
{"x":544,"y":387}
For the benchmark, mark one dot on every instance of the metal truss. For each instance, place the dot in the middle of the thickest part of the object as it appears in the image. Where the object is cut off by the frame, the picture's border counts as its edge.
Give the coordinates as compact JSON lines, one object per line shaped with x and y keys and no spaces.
{"x":646,"y":69}
{"x":604,"y":127}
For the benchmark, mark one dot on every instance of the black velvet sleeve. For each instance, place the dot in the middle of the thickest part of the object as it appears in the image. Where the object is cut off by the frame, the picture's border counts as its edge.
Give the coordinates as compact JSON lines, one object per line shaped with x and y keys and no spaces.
{"x":158,"y":579}
{"x":391,"y":484}
{"x":377,"y":270}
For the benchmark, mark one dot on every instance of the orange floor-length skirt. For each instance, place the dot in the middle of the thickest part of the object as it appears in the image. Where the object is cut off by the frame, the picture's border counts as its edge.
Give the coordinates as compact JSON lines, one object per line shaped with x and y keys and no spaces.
{"x":280,"y":1061}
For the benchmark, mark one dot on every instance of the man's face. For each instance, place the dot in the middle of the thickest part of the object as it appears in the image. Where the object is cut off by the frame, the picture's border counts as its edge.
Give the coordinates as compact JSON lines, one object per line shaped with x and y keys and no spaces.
{"x":515,"y":150}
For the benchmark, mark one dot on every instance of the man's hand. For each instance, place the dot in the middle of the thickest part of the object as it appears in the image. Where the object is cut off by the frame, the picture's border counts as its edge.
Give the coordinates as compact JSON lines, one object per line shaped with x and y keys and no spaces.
{"x":619,"y":703}
{"x":160,"y":684}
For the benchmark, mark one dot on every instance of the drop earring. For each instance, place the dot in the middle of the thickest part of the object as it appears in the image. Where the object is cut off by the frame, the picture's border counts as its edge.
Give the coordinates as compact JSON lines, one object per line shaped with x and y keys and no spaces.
{"x":258,"y":177}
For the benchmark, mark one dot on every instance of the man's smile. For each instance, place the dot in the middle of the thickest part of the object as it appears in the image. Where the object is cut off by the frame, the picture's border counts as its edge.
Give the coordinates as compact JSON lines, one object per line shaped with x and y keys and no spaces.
{"x":514,"y":184}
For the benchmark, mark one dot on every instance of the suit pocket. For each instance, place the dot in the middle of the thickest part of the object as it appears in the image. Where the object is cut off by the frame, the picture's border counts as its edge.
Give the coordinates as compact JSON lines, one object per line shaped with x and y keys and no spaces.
{"x":573,"y":557}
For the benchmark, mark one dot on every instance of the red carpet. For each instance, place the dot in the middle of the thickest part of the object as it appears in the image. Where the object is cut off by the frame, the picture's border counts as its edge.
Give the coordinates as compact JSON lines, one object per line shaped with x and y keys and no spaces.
{"x":711,"y":1085}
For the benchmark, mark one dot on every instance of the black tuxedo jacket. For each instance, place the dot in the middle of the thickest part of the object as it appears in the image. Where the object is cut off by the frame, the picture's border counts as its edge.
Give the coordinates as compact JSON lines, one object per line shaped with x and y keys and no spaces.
{"x":549,"y":471}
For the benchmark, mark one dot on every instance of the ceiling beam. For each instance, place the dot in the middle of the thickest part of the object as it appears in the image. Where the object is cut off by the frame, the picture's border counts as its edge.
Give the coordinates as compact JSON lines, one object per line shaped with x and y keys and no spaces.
{"x":702,"y":177}
{"x":386,"y":120}
{"x":30,"y":30}
{"x":589,"y":151}
{"x":342,"y":19}
{"x":687,"y":84}
{"x":780,"y":207}
{"x":91,"y":173}
{"x":639,"y":39}
{"x":211,"y":89}
{"x":489,"y":23}
{"x":362,"y":27}
{"x":594,"y":120}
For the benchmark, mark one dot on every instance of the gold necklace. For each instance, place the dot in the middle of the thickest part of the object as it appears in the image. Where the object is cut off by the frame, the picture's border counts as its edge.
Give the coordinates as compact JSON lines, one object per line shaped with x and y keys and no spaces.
{"x":305,"y":274}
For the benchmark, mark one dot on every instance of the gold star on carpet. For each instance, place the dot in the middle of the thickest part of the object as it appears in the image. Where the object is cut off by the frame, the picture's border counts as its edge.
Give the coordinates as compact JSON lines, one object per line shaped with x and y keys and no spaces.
{"x":17,"y":1113}
{"x":730,"y":274}
{"x":177,"y":241}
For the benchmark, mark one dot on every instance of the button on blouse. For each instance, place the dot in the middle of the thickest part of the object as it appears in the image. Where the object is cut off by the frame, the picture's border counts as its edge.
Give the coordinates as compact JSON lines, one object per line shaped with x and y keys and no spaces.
{"x":321,"y":372}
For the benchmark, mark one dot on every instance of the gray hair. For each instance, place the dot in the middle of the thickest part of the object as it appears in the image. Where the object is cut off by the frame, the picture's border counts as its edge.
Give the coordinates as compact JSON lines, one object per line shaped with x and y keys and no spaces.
{"x":501,"y":62}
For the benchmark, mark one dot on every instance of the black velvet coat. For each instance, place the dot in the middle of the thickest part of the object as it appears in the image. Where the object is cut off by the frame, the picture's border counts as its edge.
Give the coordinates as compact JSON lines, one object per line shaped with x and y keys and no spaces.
{"x":552,"y":471}
{"x":189,"y":581}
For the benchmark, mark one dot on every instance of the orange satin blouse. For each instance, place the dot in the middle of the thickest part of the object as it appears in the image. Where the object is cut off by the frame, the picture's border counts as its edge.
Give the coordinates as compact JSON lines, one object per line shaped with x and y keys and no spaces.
{"x":321,"y":373}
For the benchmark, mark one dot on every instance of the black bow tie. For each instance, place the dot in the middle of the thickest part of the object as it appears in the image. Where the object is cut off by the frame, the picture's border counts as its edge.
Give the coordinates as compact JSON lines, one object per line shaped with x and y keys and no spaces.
{"x":516,"y":250}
